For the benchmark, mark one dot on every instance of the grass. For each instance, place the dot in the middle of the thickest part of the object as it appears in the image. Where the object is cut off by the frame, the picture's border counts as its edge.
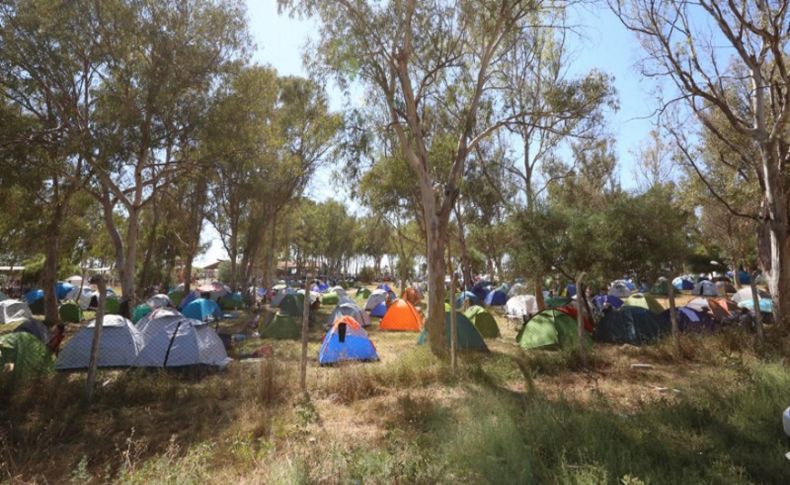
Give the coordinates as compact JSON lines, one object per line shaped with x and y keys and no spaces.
{"x":712,"y":416}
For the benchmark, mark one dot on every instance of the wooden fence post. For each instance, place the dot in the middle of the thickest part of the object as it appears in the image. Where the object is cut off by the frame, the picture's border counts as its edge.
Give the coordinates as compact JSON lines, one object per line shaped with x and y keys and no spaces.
{"x":305,"y":331}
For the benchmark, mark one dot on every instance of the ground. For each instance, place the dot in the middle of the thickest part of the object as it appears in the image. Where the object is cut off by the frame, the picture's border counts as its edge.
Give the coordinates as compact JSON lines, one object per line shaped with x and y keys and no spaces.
{"x":712,"y":415}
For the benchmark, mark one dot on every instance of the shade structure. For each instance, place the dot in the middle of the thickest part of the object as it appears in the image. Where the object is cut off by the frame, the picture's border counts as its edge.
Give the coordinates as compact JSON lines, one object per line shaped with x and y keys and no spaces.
{"x":629,"y":324}
{"x":483,"y":321}
{"x":549,"y":329}
{"x":346,"y":340}
{"x":468,"y":338}
{"x":119,"y":345}
{"x":401,"y":315}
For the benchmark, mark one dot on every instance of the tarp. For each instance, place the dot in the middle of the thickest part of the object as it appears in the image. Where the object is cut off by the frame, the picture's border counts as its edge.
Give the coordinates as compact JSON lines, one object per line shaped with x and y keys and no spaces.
{"x":346,"y":340}
{"x":648,"y":302}
{"x":629,"y":324}
{"x":203,"y":310}
{"x":119,"y":345}
{"x":483,"y":321}
{"x":281,"y":326}
{"x":468,"y":338}
{"x":12,"y":311}
{"x":549,"y":329}
{"x":401,"y":315}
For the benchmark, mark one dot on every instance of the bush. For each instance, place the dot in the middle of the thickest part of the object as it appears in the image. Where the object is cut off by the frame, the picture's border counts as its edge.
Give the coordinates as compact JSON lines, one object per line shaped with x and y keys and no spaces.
{"x":367,"y":274}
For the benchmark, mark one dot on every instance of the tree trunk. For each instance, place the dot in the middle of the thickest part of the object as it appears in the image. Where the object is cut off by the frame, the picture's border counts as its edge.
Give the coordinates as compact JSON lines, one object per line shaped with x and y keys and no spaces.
{"x":673,"y":318}
{"x":758,"y":317}
{"x":539,"y":300}
{"x":778,"y":275}
{"x":580,"y":309}
{"x":97,"y":328}
{"x":453,"y":323}
{"x":130,"y":260}
{"x":50,"y":271}
{"x":437,"y":239}
{"x":305,"y":331}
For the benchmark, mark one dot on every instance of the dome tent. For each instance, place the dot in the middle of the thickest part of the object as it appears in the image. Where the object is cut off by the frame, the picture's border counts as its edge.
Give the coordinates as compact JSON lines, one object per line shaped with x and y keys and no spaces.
{"x":70,"y":312}
{"x":203,"y":310}
{"x":549,"y":329}
{"x":29,"y":355}
{"x":178,"y":341}
{"x":483,"y":321}
{"x":159,"y":301}
{"x":379,"y":310}
{"x":363,"y":293}
{"x":140,"y":311}
{"x":330,"y":298}
{"x":292,"y":304}
{"x":350,"y":309}
{"x":281,"y":326}
{"x":648,"y":302}
{"x":119,"y":345}
{"x":689,"y":320}
{"x":346,"y":340}
{"x":472,"y":298}
{"x":619,"y":288}
{"x":705,"y":288}
{"x":629,"y":324}
{"x":602,"y":302}
{"x":468,"y":338}
{"x":521,"y":305}
{"x":401,"y":315}
{"x":34,"y":328}
{"x":375,"y":298}
{"x":12,"y":311}
{"x":745,"y":294}
{"x":496,"y":298}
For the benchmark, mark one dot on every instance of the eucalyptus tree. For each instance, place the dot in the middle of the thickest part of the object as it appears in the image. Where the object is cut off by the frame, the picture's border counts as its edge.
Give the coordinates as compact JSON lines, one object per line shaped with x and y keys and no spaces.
{"x":430,"y":65}
{"x":728,"y":62}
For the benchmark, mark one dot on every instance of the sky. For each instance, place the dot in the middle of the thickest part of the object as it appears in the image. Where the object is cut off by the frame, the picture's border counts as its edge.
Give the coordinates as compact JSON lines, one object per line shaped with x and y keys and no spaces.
{"x":603,"y":43}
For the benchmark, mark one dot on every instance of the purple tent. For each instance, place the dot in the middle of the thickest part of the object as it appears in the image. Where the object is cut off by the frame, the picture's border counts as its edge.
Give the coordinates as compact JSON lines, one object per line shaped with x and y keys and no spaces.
{"x":601,"y":300}
{"x":689,"y":320}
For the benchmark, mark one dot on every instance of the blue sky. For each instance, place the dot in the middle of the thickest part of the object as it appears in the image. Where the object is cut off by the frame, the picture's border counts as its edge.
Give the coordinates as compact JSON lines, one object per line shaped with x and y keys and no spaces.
{"x":603,"y":44}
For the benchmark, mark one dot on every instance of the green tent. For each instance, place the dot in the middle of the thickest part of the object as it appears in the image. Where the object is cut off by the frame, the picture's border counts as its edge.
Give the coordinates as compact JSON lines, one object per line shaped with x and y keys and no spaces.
{"x":140,"y":311}
{"x":292,"y":305}
{"x":70,"y":312}
{"x":231,"y":302}
{"x":37,"y":307}
{"x":556,"y":301}
{"x":363,"y":293}
{"x":330,"y":298}
{"x":112,"y":306}
{"x":281,"y":326}
{"x":648,"y":302}
{"x":549,"y":329}
{"x":468,"y":336}
{"x":483,"y":321}
{"x":175,"y":297}
{"x":28,"y":354}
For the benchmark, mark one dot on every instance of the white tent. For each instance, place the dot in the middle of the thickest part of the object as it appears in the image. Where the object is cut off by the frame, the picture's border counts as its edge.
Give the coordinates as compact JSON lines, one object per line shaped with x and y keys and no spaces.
{"x":521,"y":305}
{"x":119,"y":345}
{"x":517,"y":289}
{"x":376,"y":297}
{"x":84,"y":296}
{"x":172,"y":340}
{"x":339,"y":290}
{"x":705,"y":288}
{"x":281,"y":294}
{"x":12,"y":311}
{"x":157,"y":317}
{"x":74,"y":280}
{"x":619,"y":288}
{"x":745,"y":294}
{"x":699,"y":303}
{"x":348,"y":308}
{"x":159,"y":301}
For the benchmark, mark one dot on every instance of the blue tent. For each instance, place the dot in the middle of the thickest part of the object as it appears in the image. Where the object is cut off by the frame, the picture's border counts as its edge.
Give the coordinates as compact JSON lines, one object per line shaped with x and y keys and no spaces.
{"x":570,"y":290}
{"x":346,"y":340}
{"x":379,"y":310}
{"x":386,"y":287}
{"x":62,"y":289}
{"x":467,"y":295}
{"x":33,"y":296}
{"x":602,"y":300}
{"x":689,"y":320}
{"x":187,"y":299}
{"x":203,"y":310}
{"x":261,"y":292}
{"x":496,"y":298}
{"x":766,"y":305}
{"x":682,"y":284}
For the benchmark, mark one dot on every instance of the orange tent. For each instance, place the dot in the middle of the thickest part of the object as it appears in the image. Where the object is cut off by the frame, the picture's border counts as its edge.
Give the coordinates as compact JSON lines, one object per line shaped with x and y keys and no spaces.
{"x":401,"y":315}
{"x":411,"y":296}
{"x":722,"y":308}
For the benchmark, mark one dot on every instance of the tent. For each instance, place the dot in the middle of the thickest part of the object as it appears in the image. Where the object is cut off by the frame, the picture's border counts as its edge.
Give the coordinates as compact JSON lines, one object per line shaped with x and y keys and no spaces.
{"x":12,"y":311}
{"x":74,"y":280}
{"x":330,"y":298}
{"x":689,"y":320}
{"x":155,"y":318}
{"x":314,"y":296}
{"x":746,"y":294}
{"x":722,"y":308}
{"x":556,"y":301}
{"x":187,"y":299}
{"x":3,"y":296}
{"x":203,"y":310}
{"x":603,"y":302}
{"x":119,"y":345}
{"x":521,"y":305}
{"x":724,"y":287}
{"x":339,"y":290}
{"x":234,"y":301}
{"x":517,"y":289}
{"x":176,"y":296}
{"x":177,"y":341}
{"x":375,"y":298}
{"x":647,"y":302}
{"x":766,"y":305}
{"x":33,"y":296}
{"x":29,"y":355}
{"x":411,"y":295}
{"x":572,"y":312}
{"x":34,"y":328}
{"x":549,"y":329}
{"x":70,"y":312}
{"x":570,"y":290}
{"x":379,"y":310}
{"x":216,"y":290}
{"x":292,"y":305}
{"x":699,"y":304}
{"x":346,"y":340}
{"x":350,"y":309}
{"x":281,"y":326}
{"x":705,"y":288}
{"x":401,"y":315}
{"x":111,"y":305}
{"x":159,"y":301}
{"x":281,"y":294}
{"x":619,"y":288}
{"x":363,"y":292}
{"x":83,"y":297}
{"x":62,"y":289}
{"x":468,"y":338}
{"x":483,"y":321}
{"x":385,"y":287}
{"x":683,"y":283}
{"x":140,"y":311}
{"x":629,"y":324}
{"x":496,"y":298}
{"x":467,"y":296}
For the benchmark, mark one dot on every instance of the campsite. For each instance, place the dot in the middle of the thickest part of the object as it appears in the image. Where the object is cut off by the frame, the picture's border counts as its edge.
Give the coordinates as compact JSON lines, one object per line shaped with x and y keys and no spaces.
{"x":374,"y":242}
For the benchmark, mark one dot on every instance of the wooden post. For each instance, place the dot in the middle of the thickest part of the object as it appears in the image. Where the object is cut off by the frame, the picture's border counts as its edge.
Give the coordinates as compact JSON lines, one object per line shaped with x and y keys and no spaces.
{"x":453,"y":324}
{"x":97,"y":328}
{"x":305,"y":330}
{"x":580,"y":316}
{"x":758,"y":316}
{"x":673,"y":317}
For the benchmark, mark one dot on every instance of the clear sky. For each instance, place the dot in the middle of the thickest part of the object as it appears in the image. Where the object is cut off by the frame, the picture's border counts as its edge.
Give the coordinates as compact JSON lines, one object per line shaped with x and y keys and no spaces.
{"x":604,"y":44}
